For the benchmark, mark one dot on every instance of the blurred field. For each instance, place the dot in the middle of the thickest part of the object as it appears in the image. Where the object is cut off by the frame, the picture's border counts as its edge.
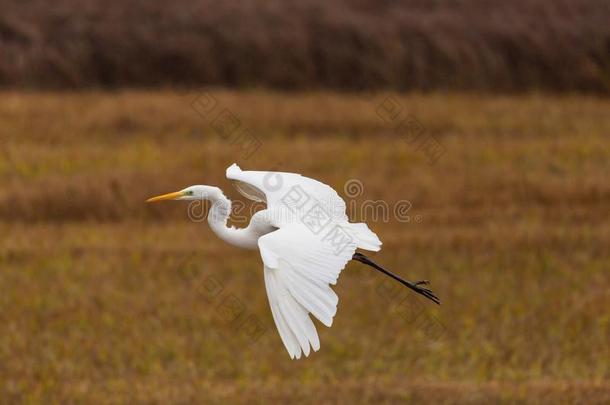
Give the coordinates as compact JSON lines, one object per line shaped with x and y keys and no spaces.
{"x":103,"y":297}
{"x":490,"y":45}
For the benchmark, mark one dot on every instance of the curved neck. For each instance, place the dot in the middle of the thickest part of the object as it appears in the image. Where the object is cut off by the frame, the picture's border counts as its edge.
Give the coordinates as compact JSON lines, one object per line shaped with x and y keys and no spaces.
{"x":218,"y":217}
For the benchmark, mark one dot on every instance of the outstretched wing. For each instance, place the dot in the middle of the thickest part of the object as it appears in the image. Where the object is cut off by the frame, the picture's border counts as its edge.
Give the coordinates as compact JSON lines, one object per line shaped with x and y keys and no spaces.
{"x":299,"y":266}
{"x":292,"y":198}
{"x":288,"y":190}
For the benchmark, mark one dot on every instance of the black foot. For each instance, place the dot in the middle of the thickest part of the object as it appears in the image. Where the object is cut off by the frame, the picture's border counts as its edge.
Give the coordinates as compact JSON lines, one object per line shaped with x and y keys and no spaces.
{"x":416,"y":286}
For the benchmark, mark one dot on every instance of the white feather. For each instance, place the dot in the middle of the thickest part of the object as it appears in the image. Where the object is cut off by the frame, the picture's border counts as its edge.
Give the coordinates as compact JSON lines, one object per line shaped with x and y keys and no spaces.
{"x":298,"y":266}
{"x":304,"y":239}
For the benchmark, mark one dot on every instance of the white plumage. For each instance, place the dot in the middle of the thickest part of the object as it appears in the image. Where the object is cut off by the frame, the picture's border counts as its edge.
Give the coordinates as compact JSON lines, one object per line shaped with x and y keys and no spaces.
{"x":300,"y":260}
{"x":304,"y":239}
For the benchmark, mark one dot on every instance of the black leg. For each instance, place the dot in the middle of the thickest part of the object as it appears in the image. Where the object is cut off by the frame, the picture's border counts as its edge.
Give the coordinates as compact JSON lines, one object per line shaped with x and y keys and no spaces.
{"x":415,"y":286}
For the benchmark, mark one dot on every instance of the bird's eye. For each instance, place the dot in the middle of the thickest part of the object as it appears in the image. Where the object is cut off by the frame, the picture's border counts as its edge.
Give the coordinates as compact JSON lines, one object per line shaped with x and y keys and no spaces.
{"x":190,"y":192}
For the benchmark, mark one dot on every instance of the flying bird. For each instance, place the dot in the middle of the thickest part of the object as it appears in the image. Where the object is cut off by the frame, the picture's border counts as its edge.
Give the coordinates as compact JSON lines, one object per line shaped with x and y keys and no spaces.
{"x":304,"y":238}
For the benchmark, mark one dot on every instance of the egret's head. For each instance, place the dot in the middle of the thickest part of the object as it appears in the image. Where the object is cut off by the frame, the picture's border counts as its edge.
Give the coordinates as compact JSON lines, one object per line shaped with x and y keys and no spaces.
{"x":189,"y":193}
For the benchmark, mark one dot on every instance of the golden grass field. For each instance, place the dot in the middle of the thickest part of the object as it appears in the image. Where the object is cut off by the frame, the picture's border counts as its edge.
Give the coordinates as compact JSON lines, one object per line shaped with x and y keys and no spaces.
{"x":106,"y":299}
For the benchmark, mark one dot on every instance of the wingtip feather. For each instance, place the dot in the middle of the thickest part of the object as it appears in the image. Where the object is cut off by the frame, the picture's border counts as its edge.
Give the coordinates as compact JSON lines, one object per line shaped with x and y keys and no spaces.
{"x":234,"y":168}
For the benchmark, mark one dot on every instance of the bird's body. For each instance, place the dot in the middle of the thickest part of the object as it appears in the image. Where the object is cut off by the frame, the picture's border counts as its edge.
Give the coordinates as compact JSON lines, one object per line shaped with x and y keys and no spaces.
{"x":305,"y":240}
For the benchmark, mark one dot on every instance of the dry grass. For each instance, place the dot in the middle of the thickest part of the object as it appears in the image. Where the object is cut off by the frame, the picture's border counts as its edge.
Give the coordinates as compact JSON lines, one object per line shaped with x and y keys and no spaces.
{"x":308,"y":44}
{"x":103,"y":298}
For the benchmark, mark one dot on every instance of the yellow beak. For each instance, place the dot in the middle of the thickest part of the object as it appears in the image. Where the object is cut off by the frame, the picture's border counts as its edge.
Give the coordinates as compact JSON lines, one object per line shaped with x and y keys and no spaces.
{"x":169,"y":196}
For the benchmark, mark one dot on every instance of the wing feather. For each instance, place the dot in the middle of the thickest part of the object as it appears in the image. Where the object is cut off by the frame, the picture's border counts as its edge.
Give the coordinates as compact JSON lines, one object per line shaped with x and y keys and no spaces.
{"x":292,"y":196}
{"x":300,"y":264}
{"x":288,"y":338}
{"x":287,"y":190}
{"x":298,"y":269}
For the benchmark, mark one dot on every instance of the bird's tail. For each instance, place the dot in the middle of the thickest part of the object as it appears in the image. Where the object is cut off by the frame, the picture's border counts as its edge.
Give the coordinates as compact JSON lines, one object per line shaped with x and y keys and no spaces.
{"x":363,"y":236}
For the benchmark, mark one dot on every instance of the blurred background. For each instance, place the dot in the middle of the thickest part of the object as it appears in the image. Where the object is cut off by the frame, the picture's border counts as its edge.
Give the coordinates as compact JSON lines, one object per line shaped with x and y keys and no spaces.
{"x":472,"y":136}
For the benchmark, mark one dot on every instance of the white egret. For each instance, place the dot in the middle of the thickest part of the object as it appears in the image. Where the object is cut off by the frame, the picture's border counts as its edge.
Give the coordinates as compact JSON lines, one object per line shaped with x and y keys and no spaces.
{"x":304,"y":239}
